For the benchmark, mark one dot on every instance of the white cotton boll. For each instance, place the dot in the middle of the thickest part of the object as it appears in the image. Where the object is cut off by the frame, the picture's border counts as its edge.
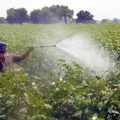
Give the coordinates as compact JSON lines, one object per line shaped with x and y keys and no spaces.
{"x":94,"y":118}
{"x":53,"y":83}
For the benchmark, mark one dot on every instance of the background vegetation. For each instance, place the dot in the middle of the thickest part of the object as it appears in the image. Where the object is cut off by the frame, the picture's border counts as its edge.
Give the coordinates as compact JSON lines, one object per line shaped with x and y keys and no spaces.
{"x":47,"y":15}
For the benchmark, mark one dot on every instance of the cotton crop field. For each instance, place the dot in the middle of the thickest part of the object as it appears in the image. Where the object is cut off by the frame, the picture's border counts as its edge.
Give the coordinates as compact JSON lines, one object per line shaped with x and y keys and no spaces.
{"x":46,"y":86}
{"x":19,"y":37}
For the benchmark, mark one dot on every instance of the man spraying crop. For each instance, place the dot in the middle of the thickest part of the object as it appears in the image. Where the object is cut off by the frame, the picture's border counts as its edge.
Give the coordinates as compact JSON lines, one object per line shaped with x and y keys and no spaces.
{"x":7,"y":59}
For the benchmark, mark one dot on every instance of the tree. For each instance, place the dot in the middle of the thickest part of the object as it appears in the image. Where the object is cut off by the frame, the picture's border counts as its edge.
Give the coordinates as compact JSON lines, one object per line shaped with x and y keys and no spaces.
{"x":116,"y":20}
{"x":21,"y":15}
{"x":65,"y":12}
{"x":16,"y":15}
{"x":106,"y":21}
{"x":44,"y":16}
{"x":62,"y":12}
{"x":11,"y":16}
{"x":53,"y":14}
{"x":2,"y":20}
{"x":49,"y":16}
{"x":36,"y":16}
{"x":84,"y":17}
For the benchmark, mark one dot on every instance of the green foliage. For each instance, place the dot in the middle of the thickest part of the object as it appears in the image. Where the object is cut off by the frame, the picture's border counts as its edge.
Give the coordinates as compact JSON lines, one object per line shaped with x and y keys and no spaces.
{"x":20,"y":98}
{"x":16,"y":15}
{"x":65,"y":93}
{"x":84,"y":17}
{"x":73,"y":96}
{"x":2,"y":20}
{"x":36,"y":16}
{"x":47,"y":15}
{"x":78,"y":97}
{"x":52,"y":14}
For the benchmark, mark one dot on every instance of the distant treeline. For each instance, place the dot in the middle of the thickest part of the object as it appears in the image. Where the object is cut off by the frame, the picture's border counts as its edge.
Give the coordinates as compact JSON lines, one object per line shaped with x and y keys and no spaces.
{"x":49,"y":15}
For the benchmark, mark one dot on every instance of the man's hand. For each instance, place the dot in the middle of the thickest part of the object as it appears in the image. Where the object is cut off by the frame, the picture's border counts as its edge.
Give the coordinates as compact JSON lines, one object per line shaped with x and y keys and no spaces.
{"x":32,"y":48}
{"x":28,"y":52}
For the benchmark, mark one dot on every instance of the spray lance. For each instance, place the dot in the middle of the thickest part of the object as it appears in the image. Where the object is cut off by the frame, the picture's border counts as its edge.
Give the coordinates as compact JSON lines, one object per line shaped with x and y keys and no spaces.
{"x":42,"y":46}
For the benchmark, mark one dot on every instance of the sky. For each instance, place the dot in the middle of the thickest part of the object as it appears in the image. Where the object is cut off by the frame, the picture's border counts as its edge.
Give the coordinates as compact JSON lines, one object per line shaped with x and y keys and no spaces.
{"x":99,"y":8}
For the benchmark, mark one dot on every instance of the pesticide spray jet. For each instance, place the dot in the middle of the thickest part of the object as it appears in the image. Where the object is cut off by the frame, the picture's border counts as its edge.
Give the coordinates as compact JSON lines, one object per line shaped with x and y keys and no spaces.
{"x":89,"y":54}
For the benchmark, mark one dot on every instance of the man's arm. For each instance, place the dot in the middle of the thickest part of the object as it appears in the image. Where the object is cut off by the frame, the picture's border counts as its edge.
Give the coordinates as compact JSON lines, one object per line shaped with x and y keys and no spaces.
{"x":17,"y":58}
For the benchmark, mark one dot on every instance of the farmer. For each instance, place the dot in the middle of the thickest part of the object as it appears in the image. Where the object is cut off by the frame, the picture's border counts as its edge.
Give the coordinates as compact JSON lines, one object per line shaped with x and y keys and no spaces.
{"x":7,"y":59}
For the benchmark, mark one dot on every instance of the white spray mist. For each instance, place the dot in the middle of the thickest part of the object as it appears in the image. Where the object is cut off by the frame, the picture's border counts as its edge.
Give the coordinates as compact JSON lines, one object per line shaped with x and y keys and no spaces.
{"x":90,"y":55}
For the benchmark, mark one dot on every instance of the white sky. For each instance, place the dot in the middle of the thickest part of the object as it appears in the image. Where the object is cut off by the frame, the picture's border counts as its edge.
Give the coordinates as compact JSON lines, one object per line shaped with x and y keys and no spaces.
{"x":99,"y":8}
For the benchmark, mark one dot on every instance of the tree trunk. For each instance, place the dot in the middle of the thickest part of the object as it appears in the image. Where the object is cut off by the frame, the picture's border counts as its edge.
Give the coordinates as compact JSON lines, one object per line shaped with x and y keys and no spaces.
{"x":65,"y":19}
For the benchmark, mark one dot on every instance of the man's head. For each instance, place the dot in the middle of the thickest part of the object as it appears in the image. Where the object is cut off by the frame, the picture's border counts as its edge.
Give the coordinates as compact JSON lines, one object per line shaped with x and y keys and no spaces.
{"x":2,"y":47}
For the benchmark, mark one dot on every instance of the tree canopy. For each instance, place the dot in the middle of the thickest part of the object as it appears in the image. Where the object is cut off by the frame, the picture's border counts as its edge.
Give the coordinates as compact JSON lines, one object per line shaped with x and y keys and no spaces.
{"x":2,"y":20}
{"x":11,"y":16}
{"x":51,"y":14}
{"x":63,"y":12}
{"x":47,"y":15}
{"x":84,"y":17}
{"x":16,"y":15}
{"x":36,"y":16}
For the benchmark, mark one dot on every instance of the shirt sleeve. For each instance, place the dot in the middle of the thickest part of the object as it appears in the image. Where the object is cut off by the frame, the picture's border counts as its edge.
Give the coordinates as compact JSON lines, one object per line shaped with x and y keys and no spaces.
{"x":17,"y":58}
